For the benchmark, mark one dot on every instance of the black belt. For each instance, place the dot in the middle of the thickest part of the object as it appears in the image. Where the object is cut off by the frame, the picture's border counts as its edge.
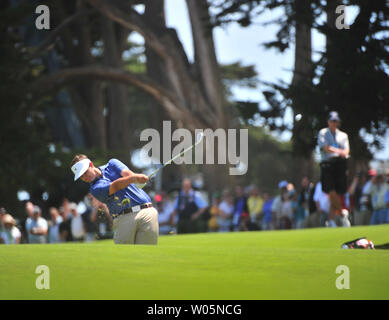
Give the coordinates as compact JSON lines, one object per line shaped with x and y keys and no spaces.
{"x":334,"y":160}
{"x":133,"y":209}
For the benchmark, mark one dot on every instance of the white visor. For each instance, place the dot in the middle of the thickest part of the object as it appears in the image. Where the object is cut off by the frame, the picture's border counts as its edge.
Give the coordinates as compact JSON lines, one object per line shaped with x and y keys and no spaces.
{"x":80,"y":168}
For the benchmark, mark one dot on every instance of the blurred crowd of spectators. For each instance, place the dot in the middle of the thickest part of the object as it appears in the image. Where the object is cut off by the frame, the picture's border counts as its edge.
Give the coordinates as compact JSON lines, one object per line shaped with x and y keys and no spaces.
{"x":87,"y":221}
{"x":293,"y":207}
{"x":239,"y":209}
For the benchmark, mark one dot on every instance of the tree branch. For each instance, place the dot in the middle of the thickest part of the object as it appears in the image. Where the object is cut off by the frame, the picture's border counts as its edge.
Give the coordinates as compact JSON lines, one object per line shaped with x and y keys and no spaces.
{"x":166,"y":46}
{"x":42,"y":47}
{"x":131,"y":20}
{"x":176,"y":109}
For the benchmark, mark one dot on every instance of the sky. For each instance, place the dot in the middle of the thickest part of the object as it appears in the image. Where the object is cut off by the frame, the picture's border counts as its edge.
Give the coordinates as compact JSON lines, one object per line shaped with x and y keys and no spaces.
{"x":234,"y":43}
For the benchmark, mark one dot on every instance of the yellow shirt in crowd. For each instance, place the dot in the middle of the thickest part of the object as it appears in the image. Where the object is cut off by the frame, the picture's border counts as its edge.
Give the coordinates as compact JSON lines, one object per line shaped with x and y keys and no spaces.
{"x":255,"y":205}
{"x":212,"y":222}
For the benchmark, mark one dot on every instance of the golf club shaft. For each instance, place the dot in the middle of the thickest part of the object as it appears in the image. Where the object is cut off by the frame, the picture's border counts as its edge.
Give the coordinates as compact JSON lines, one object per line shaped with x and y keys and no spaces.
{"x":171,"y":160}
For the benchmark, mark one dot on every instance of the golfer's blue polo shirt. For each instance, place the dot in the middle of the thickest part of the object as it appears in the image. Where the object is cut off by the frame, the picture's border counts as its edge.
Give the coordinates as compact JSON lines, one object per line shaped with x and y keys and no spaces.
{"x":116,"y":202}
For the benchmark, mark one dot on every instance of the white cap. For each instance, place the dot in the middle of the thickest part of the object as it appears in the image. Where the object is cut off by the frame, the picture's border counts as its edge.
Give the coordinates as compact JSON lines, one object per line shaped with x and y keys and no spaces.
{"x":80,"y":168}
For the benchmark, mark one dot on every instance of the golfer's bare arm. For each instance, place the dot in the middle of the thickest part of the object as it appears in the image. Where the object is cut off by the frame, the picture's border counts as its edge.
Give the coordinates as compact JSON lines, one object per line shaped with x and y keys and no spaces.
{"x":198,"y":213}
{"x":39,"y":231}
{"x":341,"y":152}
{"x":127,"y":178}
{"x":126,"y":173}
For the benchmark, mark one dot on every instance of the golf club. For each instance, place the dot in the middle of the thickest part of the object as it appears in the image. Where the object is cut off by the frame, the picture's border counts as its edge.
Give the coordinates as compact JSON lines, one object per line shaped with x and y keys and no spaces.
{"x":199,"y":138}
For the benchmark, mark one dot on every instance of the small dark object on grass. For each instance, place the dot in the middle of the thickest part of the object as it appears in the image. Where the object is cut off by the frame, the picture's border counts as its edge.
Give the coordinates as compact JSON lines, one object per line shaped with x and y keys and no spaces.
{"x":383,"y":246}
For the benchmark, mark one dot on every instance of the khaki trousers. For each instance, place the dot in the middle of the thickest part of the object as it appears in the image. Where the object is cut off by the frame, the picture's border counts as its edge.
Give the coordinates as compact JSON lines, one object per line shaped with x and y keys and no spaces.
{"x":137,"y":228}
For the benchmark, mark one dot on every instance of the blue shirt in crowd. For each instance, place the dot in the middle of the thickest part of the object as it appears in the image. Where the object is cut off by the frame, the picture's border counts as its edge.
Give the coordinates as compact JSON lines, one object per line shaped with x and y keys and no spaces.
{"x":387,"y":197}
{"x":267,"y":213}
{"x":122,"y":199}
{"x":239,"y":208}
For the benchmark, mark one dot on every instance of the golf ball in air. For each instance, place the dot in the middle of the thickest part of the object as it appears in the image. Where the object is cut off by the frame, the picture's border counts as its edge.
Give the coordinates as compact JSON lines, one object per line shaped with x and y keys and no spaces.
{"x":298,"y":117}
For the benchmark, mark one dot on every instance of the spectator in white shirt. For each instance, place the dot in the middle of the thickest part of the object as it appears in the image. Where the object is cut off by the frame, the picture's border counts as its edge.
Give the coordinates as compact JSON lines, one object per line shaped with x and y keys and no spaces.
{"x":27,"y":223}
{"x":377,"y":190}
{"x":38,"y":228}
{"x":54,"y":223}
{"x":322,"y":204}
{"x":278,"y":202}
{"x":77,"y":224}
{"x":226,"y":210}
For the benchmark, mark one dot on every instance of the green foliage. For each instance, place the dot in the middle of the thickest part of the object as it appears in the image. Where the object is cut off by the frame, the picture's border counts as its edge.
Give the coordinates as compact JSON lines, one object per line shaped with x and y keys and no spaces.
{"x":24,"y":135}
{"x":30,"y":159}
{"x":134,"y":58}
{"x":235,"y":74}
{"x":247,"y":110}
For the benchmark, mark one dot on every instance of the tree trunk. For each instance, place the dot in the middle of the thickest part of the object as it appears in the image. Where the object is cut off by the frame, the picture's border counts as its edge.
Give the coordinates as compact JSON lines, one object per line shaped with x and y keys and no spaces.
{"x":331,"y":17}
{"x":191,"y":94}
{"x":117,"y":118}
{"x":155,"y":65}
{"x":156,"y":70}
{"x":87,"y":98}
{"x":302,"y":77}
{"x":90,"y":98}
{"x":165,"y":43}
{"x":207,"y":73}
{"x":303,"y":43}
{"x":206,"y":65}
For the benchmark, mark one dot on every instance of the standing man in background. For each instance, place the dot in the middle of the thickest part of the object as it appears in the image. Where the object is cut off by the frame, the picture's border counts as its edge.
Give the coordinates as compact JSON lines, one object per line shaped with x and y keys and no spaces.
{"x":378,"y":191}
{"x":27,"y":221}
{"x":335,"y":150}
{"x":278,"y":200}
{"x":240,"y":208}
{"x":77,"y":226}
{"x":189,"y":207}
{"x":38,"y":228}
{"x":54,"y":222}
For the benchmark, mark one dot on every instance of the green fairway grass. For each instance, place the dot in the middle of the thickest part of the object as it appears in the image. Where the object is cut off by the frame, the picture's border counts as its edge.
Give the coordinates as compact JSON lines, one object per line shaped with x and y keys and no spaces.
{"x":296,"y":264}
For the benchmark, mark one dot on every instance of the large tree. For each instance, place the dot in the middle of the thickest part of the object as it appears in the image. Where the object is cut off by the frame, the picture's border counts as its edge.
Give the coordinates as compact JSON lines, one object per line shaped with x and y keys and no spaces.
{"x":193,"y":93}
{"x":189,"y":93}
{"x":351,"y":76}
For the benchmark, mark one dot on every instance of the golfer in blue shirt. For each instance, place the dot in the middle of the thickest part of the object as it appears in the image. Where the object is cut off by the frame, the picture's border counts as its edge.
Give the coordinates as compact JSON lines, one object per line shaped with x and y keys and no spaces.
{"x":135,"y":220}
